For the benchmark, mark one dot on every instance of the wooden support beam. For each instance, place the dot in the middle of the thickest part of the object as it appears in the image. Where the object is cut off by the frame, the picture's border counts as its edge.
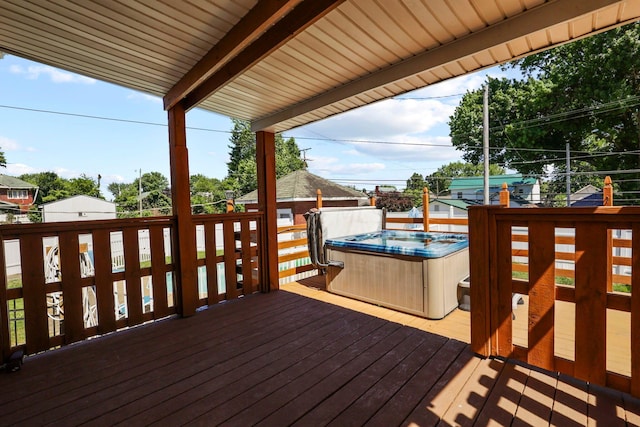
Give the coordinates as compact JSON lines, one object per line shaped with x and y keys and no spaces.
{"x":425,"y":209}
{"x":318,"y":198}
{"x":295,"y":22}
{"x":255,"y":22}
{"x":185,"y":232}
{"x":266,"y":167}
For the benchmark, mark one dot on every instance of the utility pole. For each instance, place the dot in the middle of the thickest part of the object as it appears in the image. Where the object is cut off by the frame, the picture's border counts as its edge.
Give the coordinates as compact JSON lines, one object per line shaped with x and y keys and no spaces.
{"x":485,"y":141}
{"x":140,"y":192}
{"x":568,"y":177}
{"x":304,"y":156}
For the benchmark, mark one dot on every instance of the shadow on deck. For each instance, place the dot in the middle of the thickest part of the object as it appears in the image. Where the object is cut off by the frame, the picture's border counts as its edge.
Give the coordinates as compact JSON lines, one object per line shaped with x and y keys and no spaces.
{"x":283,"y":358}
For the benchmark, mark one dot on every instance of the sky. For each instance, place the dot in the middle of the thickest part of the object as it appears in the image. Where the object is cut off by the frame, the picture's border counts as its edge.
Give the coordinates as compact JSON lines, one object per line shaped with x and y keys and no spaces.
{"x":53,"y":120}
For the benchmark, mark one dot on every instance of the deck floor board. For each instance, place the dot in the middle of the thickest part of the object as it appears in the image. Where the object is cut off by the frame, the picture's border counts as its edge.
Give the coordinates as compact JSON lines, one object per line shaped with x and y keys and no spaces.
{"x":286,"y":358}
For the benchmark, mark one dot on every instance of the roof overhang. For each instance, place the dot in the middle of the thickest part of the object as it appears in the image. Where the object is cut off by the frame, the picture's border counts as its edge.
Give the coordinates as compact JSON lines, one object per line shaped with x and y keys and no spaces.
{"x":286,"y":63}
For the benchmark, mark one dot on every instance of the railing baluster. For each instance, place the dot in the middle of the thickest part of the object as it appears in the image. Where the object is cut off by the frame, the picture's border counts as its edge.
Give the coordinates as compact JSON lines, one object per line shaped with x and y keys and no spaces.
{"x":541,"y":294}
{"x":591,"y":301}
{"x":69,"y":256}
{"x":158,"y":272}
{"x":211,"y":262}
{"x":245,"y":245}
{"x":34,"y":293}
{"x":103,"y":281}
{"x":132,"y":275}
{"x":5,"y":340}
{"x":230,"y":259}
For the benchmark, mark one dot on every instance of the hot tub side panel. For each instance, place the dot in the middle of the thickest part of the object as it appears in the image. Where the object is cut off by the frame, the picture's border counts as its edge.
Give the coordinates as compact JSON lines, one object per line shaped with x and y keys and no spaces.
{"x":441,"y":283}
{"x":381,"y":279}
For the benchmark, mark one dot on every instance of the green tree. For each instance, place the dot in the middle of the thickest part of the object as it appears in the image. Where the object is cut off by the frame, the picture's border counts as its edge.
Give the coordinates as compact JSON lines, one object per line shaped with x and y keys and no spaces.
{"x":83,"y":185}
{"x":116,"y":188}
{"x":413,"y":190}
{"x":583,"y":93}
{"x":155,"y":196}
{"x":207,"y":194}
{"x":50,"y":186}
{"x":439,"y":181}
{"x":242,"y":157}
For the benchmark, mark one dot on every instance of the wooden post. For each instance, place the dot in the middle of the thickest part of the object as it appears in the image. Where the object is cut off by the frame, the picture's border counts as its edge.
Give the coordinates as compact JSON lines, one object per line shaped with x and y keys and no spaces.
{"x":504,"y":195}
{"x":479,"y":274}
{"x":607,"y":200}
{"x":425,"y":209}
{"x":372,"y":201}
{"x":318,"y":198}
{"x":185,"y":232}
{"x":266,"y":168}
{"x":607,"y":192}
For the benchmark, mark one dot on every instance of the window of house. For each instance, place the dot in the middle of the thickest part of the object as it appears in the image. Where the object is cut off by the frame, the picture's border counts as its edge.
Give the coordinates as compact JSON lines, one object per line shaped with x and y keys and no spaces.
{"x":436,"y":208}
{"x":460,"y":195}
{"x":18,"y":194}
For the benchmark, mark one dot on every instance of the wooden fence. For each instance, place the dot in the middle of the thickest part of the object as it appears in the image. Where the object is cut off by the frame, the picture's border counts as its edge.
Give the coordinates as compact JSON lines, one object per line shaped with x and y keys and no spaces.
{"x":581,"y":256}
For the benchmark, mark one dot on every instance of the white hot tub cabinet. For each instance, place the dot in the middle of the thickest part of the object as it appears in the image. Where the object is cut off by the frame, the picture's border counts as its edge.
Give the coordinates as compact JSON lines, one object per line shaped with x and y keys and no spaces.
{"x":426,"y":287}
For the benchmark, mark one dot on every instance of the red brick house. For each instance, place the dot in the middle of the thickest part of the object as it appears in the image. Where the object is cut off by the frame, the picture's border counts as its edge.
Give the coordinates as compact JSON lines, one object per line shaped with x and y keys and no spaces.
{"x":16,"y":195}
{"x":296,"y":194}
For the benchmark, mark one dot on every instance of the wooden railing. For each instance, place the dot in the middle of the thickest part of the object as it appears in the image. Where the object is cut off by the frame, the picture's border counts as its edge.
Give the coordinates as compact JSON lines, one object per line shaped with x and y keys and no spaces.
{"x":459,"y":225}
{"x":586,"y":257}
{"x":293,"y":252}
{"x":65,"y":282}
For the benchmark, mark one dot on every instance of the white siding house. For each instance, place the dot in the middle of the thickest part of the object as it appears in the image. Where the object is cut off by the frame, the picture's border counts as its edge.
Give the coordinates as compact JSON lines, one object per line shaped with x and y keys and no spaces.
{"x":78,"y":208}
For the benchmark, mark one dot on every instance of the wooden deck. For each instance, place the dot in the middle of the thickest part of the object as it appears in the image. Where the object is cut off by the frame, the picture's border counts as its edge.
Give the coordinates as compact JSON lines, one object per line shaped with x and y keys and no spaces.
{"x":288,"y":359}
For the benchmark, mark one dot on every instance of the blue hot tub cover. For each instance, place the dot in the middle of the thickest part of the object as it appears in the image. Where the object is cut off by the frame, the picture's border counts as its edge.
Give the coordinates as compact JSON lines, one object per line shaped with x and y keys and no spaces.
{"x":401,"y":242}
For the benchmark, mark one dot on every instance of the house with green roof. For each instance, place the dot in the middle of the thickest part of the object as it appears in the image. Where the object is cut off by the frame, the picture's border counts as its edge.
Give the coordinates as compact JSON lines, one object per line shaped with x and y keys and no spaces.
{"x":296,"y":195}
{"x":472,"y":188}
{"x":16,"y":195}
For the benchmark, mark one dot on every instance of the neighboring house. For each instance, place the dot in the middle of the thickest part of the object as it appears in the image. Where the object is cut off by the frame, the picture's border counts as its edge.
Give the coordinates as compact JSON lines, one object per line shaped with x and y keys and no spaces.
{"x":472,"y":188}
{"x":78,"y":208}
{"x":588,"y":195}
{"x":16,"y":196}
{"x":296,"y":195}
{"x":594,"y":199}
{"x":450,"y":208}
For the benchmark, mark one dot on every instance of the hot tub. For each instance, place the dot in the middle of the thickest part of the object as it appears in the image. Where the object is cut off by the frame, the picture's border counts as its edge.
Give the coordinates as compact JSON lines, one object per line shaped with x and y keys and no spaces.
{"x":410,"y":271}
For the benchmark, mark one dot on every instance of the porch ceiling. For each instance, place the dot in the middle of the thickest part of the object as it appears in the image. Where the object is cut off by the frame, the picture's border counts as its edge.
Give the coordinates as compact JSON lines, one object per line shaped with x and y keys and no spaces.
{"x":286,"y":63}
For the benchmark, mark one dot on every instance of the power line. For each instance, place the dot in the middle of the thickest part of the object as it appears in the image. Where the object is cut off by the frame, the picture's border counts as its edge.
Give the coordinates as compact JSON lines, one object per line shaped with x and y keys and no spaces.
{"x":112,"y":119}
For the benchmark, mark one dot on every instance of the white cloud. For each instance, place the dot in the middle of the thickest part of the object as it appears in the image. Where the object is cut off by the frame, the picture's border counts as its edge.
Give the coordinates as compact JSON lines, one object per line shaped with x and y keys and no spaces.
{"x":7,"y":144}
{"x":108,"y":179}
{"x":66,"y":173}
{"x":33,"y":72}
{"x":145,"y":97}
{"x":384,"y":120}
{"x":333,"y":166}
{"x":17,"y":169}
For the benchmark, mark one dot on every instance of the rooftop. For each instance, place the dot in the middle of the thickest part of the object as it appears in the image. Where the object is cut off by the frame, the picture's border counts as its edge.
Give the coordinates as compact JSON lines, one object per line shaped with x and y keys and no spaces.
{"x":301,"y":185}
{"x":494,"y":181}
